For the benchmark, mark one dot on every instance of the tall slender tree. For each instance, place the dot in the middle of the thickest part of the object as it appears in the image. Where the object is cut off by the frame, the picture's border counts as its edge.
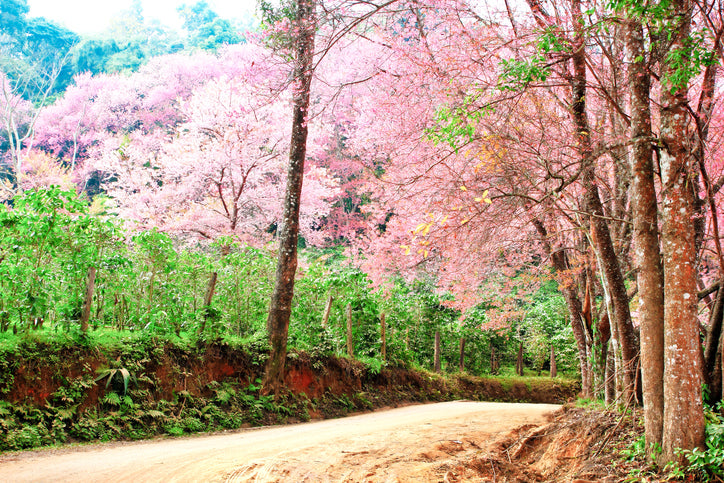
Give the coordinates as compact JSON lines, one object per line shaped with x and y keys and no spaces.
{"x":683,"y":413}
{"x":647,"y":255}
{"x":281,"y":303}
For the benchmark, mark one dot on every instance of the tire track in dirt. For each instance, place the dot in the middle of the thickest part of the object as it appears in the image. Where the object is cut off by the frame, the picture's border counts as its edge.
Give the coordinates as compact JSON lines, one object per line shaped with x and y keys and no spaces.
{"x":412,"y":443}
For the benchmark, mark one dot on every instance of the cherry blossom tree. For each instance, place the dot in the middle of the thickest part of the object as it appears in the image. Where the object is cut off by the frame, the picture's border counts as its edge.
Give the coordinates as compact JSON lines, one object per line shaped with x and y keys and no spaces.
{"x":222,"y":172}
{"x":19,"y":117}
{"x":574,"y":180}
{"x":114,"y":104}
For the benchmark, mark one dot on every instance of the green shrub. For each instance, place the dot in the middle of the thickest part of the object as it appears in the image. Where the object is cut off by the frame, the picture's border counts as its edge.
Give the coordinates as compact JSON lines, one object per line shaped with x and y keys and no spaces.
{"x":709,"y":462}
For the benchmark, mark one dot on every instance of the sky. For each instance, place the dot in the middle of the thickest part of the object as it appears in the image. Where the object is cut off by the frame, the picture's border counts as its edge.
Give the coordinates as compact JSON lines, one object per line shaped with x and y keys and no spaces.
{"x":94,"y":16}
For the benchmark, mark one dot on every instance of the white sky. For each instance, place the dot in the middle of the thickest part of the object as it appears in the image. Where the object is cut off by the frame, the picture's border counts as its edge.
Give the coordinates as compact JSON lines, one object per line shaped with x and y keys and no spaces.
{"x":94,"y":16}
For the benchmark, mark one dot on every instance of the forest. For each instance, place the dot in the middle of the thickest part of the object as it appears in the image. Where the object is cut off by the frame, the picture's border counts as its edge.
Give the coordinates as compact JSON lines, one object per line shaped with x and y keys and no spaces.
{"x":441,"y":184}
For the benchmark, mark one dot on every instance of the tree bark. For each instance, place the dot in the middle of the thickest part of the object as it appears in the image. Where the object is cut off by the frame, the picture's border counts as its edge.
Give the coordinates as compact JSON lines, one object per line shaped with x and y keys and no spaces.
{"x":647,"y":255}
{"x":683,"y":412}
{"x":575,"y":310}
{"x":715,"y":388}
{"x":604,"y":337}
{"x":462,"y":354}
{"x":437,"y":351}
{"x":554,"y":368}
{"x":327,"y":309}
{"x":711,"y":349}
{"x":519,"y":361}
{"x":281,"y":302}
{"x":350,"y":340}
{"x":600,"y":234}
{"x":207,"y":300}
{"x":383,"y":336}
{"x":610,"y":378}
{"x":89,"y":288}
{"x":494,"y":367}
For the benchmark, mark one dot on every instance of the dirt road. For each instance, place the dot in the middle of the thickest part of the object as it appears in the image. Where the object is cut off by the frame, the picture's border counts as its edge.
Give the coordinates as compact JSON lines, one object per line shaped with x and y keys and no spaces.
{"x":413,"y":443}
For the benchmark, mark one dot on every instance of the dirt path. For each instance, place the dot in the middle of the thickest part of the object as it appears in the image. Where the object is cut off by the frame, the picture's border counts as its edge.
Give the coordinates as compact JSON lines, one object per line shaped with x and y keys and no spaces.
{"x":413,"y":443}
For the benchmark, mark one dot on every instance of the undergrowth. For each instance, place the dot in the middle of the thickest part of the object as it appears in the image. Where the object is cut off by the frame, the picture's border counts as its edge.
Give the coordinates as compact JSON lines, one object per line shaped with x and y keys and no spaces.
{"x":705,"y":464}
{"x":108,"y":386}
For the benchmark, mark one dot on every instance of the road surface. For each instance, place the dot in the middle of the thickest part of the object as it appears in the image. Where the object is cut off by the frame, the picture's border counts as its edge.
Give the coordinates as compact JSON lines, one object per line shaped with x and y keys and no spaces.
{"x":412,"y":443}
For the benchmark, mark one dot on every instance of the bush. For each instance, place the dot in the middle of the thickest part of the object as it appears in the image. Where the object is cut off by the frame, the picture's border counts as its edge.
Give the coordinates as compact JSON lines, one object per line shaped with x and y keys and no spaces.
{"x":709,"y":463}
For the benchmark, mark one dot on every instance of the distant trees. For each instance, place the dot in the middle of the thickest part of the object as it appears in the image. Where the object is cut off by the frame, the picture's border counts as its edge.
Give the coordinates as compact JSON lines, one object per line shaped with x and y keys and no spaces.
{"x":223,"y":170}
{"x":33,"y":52}
{"x":206,"y":30}
{"x":18,"y":117}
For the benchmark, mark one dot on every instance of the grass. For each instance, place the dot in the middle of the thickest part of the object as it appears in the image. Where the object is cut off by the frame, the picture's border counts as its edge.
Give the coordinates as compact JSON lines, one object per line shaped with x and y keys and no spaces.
{"x":594,"y":404}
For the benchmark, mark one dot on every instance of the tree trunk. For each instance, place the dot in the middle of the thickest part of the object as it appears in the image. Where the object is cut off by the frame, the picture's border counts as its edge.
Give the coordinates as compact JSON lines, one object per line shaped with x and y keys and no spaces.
{"x":207,"y":300}
{"x":615,"y":350}
{"x":647,"y":256}
{"x":350,"y":340}
{"x":383,"y":336}
{"x":604,"y":337}
{"x":519,"y":361}
{"x":683,"y":412}
{"x":462,"y":354}
{"x":715,"y":389}
{"x":554,"y":368}
{"x":600,"y":234}
{"x":4,"y":321}
{"x":150,"y":295}
{"x":711,"y":349}
{"x":437,"y":351}
{"x":575,"y":309}
{"x":89,"y":288}
{"x":610,"y":377}
{"x":327,"y":309}
{"x":281,"y":302}
{"x":493,"y":360}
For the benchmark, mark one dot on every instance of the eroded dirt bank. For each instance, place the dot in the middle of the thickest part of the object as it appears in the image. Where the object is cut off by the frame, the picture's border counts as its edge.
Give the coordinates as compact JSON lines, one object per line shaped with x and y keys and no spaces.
{"x":414,"y":443}
{"x":164,"y":371}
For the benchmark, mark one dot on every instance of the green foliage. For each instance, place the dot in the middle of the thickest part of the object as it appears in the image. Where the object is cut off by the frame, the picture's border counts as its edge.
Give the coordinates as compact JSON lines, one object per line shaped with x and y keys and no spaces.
{"x":49,"y":242}
{"x":707,"y":464}
{"x":12,"y":16}
{"x":663,"y":21}
{"x":456,"y":126}
{"x":636,"y":450}
{"x":517,"y":74}
{"x":206,"y":29}
{"x":116,"y":378}
{"x":373,"y":365}
{"x":149,"y":289}
{"x":549,"y":41}
{"x":685,"y":63}
{"x":546,"y":324}
{"x":33,"y":53}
